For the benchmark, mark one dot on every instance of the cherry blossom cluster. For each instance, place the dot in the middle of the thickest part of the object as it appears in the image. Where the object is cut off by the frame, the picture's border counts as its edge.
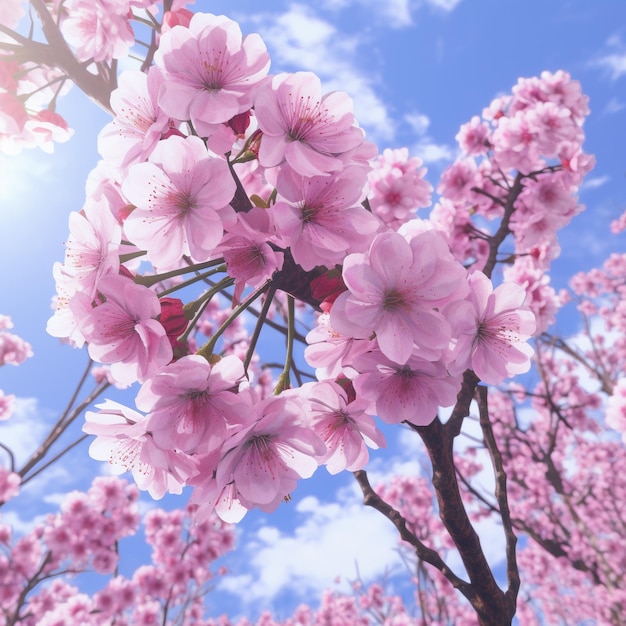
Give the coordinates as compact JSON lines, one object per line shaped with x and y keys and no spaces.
{"x":215,"y":171}
{"x":601,"y":300}
{"x":13,"y":351}
{"x":27,"y":90}
{"x":261,"y":182}
{"x":33,"y":76}
{"x":87,"y":535}
{"x":521,"y":166}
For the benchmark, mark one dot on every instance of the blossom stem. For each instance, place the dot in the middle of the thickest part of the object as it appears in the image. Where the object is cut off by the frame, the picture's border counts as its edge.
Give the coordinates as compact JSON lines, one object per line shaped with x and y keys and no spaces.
{"x":207,"y":349}
{"x":193,"y":280}
{"x":193,"y":310}
{"x":148,"y":281}
{"x":262,"y":316}
{"x":284,"y":381}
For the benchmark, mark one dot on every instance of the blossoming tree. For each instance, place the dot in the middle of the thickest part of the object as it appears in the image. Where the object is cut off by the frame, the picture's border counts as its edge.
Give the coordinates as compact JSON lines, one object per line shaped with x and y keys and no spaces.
{"x":231,"y":203}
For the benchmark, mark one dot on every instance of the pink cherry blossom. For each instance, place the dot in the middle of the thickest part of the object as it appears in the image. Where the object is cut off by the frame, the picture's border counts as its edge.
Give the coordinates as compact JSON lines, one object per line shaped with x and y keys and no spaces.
{"x":394,"y":291}
{"x":246,"y":248}
{"x":321,"y":221}
{"x":139,"y":123}
{"x":397,"y":186}
{"x":262,"y":463}
{"x":123,"y":331}
{"x":411,"y":392}
{"x":93,"y":246}
{"x":48,"y":127}
{"x":500,"y":325}
{"x":616,"y":408}
{"x":300,"y":126}
{"x":12,"y":13}
{"x":330,"y":353}
{"x":13,"y":349}
{"x":344,"y":427}
{"x":98,"y":30}
{"x":9,"y":484}
{"x":122,"y":439}
{"x":210,"y":71}
{"x":474,"y":137}
{"x":182,"y":197}
{"x":192,"y":404}
{"x":7,"y":405}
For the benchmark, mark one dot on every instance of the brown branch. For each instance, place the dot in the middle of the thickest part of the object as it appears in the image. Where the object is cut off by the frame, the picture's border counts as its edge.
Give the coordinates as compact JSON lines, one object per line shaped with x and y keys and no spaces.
{"x":503,"y":230}
{"x":462,"y":406}
{"x":62,"y":424}
{"x":489,"y":601}
{"x":512,"y":571}
{"x":426,"y":554}
{"x":58,"y":55}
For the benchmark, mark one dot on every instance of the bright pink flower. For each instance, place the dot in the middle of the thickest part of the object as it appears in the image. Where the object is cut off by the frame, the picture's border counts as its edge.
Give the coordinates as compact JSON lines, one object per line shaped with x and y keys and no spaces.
{"x":93,"y":246}
{"x":9,"y":484}
{"x":501,"y":325}
{"x":123,"y":331}
{"x":262,"y":463}
{"x":458,"y":179}
{"x":192,"y":404}
{"x":181,"y":17}
{"x":48,"y":127}
{"x":474,"y":137}
{"x":123,"y":441}
{"x":139,"y":123}
{"x":395,"y":290}
{"x":99,"y":30}
{"x":616,"y":408}
{"x":322,"y":220}
{"x":344,"y":427}
{"x":173,"y":319}
{"x":516,"y":145}
{"x":330,"y":353}
{"x":246,"y":249}
{"x":398,"y":187}
{"x":182,"y":198}
{"x":411,"y":392}
{"x":7,"y":405}
{"x":300,"y":126}
{"x":13,"y":349}
{"x":541,"y":297}
{"x":210,"y":71}
{"x":12,"y":13}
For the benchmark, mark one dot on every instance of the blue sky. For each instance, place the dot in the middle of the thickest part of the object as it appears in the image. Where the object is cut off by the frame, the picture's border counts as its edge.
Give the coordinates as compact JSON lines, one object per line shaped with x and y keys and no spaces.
{"x":416,"y":71}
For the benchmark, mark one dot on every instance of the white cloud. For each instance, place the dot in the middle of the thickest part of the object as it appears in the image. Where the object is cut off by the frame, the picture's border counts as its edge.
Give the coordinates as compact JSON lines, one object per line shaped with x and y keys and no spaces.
{"x":613,"y":106}
{"x":16,"y":175}
{"x":398,"y":12}
{"x":332,"y":541}
{"x":418,"y":122}
{"x":425,"y":147}
{"x":595,"y":182}
{"x":444,"y":5}
{"x":18,"y":524}
{"x":614,"y":61}
{"x":24,"y":432}
{"x":395,"y":13}
{"x":431,"y":152}
{"x":300,"y":40}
